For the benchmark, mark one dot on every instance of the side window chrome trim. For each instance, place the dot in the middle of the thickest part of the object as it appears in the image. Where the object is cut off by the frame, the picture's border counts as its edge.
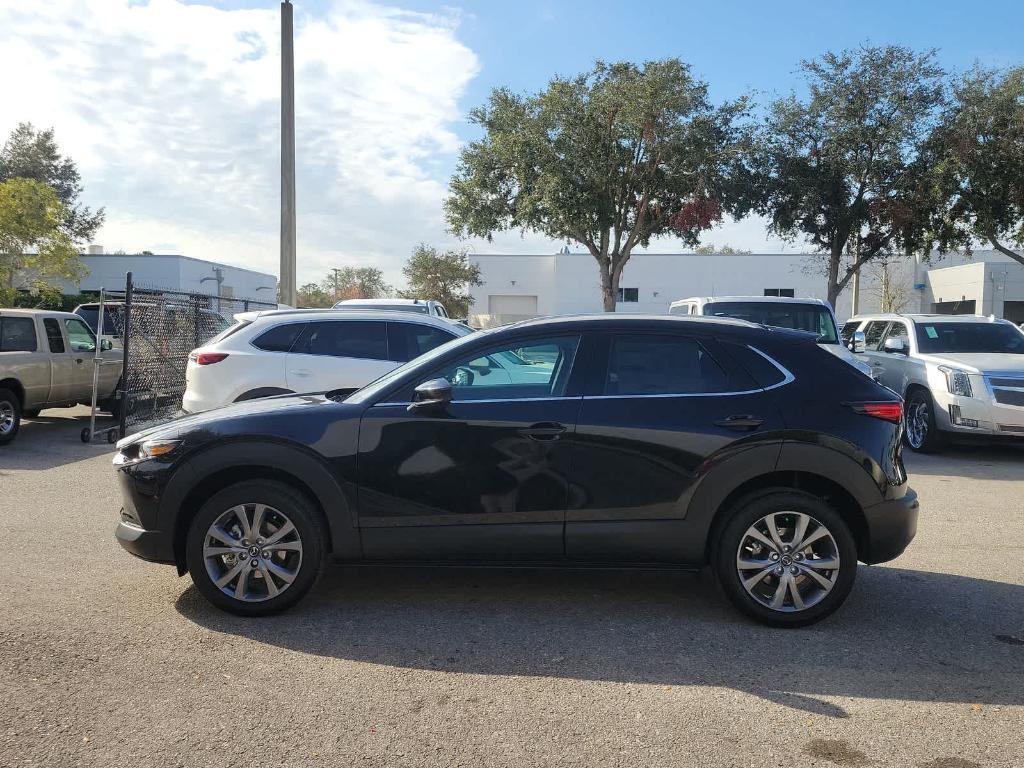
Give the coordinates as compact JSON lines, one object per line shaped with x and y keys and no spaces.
{"x":496,"y":400}
{"x":788,"y":378}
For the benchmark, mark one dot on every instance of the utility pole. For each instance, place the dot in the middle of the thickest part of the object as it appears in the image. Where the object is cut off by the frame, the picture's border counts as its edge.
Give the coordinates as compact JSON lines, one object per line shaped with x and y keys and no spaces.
{"x":287,"y":281}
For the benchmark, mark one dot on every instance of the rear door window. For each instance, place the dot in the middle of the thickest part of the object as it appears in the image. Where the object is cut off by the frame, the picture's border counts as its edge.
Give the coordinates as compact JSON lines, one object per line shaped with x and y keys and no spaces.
{"x":642,"y":364}
{"x":17,"y":334}
{"x":366,"y":340}
{"x":53,"y":335}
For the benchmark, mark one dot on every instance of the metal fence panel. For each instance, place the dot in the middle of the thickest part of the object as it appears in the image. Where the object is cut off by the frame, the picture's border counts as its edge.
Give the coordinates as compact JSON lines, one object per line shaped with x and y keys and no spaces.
{"x":158,"y":328}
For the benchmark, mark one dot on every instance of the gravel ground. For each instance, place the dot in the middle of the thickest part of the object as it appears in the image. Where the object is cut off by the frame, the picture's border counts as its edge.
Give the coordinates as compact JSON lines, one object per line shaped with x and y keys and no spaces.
{"x":108,"y":661}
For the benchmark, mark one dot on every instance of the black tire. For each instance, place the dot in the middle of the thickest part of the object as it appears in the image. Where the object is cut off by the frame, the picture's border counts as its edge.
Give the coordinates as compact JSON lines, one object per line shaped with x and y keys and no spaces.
{"x":10,"y":416}
{"x":85,"y":435}
{"x":31,"y":413}
{"x":934,"y":440}
{"x":311,"y":532}
{"x":753,"y":508}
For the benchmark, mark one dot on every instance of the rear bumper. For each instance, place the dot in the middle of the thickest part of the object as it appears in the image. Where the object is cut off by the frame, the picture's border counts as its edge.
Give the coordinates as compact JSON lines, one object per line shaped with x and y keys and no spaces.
{"x":154,"y":546}
{"x":891,"y":527}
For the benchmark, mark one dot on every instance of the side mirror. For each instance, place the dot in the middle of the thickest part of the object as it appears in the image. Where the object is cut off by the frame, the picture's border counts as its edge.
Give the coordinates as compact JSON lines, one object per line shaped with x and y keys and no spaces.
{"x":859,"y":342}
{"x":894,"y":346}
{"x":106,"y":344}
{"x":431,"y":395}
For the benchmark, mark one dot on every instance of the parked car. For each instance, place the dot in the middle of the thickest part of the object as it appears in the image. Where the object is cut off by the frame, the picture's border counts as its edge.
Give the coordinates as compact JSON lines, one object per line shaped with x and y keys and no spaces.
{"x":418,"y":306}
{"x":46,"y":361}
{"x":813,"y":315}
{"x":649,"y":440}
{"x":961,"y":375}
{"x":167,"y":320}
{"x":280,"y":352}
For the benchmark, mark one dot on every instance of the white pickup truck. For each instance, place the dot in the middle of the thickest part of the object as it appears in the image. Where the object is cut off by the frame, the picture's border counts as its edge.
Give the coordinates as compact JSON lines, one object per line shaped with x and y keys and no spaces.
{"x":46,"y":361}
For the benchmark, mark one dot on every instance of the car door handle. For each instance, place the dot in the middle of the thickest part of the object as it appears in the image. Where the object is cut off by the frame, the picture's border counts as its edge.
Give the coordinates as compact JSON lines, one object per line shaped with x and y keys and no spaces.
{"x":740,"y":422}
{"x":301,"y":372}
{"x":543,"y":431}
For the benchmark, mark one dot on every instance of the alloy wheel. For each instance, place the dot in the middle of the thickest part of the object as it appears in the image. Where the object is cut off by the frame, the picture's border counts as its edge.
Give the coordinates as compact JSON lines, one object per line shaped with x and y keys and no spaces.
{"x":252,"y":552}
{"x":917,"y":423}
{"x":6,"y":417}
{"x":788,"y":561}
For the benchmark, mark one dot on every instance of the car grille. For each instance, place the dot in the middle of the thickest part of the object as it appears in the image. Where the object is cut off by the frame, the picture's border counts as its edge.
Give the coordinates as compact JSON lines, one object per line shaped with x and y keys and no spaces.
{"x":1007,"y":388}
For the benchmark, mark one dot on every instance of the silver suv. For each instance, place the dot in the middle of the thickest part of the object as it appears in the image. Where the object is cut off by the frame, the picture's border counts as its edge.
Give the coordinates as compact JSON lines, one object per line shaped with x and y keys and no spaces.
{"x":959,"y":374}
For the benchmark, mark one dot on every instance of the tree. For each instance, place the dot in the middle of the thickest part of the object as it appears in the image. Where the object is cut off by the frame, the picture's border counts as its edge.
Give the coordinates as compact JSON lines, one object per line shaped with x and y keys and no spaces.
{"x":34,"y":247}
{"x":313,"y":295}
{"x":443,"y":277}
{"x":891,"y":291}
{"x":32,"y":154}
{"x":355,"y":283}
{"x":842,"y":167}
{"x":711,"y":249}
{"x":609,"y":159}
{"x":979,"y":153}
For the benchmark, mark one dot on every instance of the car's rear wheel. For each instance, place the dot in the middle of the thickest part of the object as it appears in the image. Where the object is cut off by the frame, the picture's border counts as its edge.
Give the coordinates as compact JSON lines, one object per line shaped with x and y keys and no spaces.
{"x":786,"y":558}
{"x":255,"y":548}
{"x":10,"y":416}
{"x":920,"y":432}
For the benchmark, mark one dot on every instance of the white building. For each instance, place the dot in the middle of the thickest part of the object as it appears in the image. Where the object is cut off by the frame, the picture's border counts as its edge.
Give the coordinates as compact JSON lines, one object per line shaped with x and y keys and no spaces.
{"x":173,"y":272}
{"x":517,"y":286}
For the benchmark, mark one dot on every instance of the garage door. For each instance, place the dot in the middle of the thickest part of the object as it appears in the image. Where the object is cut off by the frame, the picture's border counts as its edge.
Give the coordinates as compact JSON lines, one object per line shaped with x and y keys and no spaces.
{"x":512,"y":305}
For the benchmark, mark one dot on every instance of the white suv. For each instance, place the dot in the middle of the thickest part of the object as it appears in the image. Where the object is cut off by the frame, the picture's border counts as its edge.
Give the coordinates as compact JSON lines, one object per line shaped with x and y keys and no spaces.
{"x":285,"y":351}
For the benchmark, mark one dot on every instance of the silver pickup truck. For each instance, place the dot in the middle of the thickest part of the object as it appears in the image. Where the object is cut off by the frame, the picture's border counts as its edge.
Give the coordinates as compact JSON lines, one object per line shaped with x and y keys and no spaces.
{"x":46,"y":361}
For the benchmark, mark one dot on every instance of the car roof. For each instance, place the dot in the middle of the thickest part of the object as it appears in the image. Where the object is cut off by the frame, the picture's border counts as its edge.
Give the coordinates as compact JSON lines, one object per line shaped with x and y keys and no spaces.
{"x":764,"y":299}
{"x":19,"y":312}
{"x":630,"y":322}
{"x":920,"y":317}
{"x":344,"y":314}
{"x":371,"y":302}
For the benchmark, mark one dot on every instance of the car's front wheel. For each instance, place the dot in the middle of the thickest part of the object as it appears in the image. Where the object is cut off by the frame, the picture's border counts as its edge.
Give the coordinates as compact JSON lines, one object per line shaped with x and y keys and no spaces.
{"x":786,"y":558}
{"x":920,"y":431}
{"x":255,"y":548}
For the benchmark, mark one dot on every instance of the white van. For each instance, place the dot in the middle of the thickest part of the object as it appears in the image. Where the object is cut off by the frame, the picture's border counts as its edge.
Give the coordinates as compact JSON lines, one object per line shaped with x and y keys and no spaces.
{"x":814,"y":315}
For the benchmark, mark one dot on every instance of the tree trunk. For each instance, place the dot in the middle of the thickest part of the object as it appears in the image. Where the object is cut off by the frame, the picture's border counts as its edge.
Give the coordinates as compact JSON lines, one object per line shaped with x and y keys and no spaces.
{"x":609,"y":287}
{"x":835,"y":257}
{"x":1005,"y":251}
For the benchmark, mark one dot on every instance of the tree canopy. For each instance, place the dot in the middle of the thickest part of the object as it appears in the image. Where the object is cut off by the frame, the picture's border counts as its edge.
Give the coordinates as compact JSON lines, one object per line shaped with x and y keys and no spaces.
{"x":443,"y":277}
{"x":355,"y":283}
{"x":608,"y":159}
{"x":33,"y":154}
{"x":34,"y":247}
{"x":978,"y":156}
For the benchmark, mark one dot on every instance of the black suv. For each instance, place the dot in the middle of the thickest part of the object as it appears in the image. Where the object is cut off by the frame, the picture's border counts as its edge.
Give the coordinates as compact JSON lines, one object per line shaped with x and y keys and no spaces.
{"x":614,"y":440}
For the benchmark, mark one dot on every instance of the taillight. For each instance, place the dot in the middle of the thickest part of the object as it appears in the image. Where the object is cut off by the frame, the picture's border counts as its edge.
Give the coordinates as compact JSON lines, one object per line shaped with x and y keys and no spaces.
{"x":887,"y":411}
{"x":207,"y":358}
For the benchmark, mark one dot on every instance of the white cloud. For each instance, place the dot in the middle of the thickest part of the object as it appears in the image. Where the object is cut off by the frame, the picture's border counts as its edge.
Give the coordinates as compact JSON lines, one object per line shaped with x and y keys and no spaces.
{"x":171,"y":111}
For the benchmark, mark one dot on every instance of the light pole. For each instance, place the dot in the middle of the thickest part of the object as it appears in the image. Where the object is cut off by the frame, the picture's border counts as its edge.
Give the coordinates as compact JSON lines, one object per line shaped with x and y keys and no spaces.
{"x":288,"y":295}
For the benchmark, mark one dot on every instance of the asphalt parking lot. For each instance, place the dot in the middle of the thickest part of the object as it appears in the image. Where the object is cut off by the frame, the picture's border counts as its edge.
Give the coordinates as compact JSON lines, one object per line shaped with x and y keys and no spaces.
{"x":109,"y":661}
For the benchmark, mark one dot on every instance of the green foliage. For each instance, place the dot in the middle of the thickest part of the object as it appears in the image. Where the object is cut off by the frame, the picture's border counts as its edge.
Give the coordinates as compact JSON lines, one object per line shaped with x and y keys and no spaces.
{"x":311,"y":295}
{"x":978,"y":153}
{"x":842,"y":167}
{"x":609,"y":159}
{"x":34,"y":248}
{"x":443,"y":277}
{"x":713,"y":249}
{"x":32,"y":154}
{"x":355,"y":283}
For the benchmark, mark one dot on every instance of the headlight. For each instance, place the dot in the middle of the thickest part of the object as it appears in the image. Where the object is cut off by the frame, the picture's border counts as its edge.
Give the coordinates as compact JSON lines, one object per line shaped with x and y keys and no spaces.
{"x":150,"y":449}
{"x":957,"y":382}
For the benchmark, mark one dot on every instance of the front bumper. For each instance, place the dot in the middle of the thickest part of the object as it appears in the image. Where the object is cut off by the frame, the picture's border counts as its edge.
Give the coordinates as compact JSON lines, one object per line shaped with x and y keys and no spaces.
{"x":983,"y":415}
{"x":891,"y":527}
{"x":154,"y":546}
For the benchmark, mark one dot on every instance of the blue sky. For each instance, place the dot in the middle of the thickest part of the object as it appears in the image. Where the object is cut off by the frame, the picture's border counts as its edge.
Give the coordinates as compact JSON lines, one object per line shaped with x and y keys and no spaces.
{"x":179,"y":139}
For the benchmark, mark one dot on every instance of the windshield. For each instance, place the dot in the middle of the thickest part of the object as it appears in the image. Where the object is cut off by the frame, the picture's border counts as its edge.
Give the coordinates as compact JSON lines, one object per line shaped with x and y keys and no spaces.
{"x":372,"y":389}
{"x":801,"y":317}
{"x":999,"y":338}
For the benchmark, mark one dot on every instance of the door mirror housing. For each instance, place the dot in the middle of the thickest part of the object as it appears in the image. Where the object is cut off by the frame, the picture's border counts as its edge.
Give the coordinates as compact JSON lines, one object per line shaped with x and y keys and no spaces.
{"x":431,"y":395}
{"x":106,"y":344}
{"x":895,"y":346}
{"x":859,"y":343}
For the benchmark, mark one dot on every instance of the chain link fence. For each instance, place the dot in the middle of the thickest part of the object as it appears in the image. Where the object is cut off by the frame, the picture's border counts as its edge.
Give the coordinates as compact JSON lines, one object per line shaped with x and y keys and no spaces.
{"x":157,"y":328}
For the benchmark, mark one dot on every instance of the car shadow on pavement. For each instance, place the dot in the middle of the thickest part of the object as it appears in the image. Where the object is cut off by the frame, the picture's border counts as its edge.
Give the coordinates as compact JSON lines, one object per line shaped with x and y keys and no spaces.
{"x":979,"y":461}
{"x":902,"y":634}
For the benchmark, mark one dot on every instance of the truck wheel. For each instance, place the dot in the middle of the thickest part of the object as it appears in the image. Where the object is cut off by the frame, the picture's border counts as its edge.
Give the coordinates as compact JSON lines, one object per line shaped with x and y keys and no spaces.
{"x":10,"y":416}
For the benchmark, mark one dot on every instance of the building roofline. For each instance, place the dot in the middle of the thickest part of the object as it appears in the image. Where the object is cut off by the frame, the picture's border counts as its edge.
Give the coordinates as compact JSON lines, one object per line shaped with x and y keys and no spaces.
{"x":178,"y":256}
